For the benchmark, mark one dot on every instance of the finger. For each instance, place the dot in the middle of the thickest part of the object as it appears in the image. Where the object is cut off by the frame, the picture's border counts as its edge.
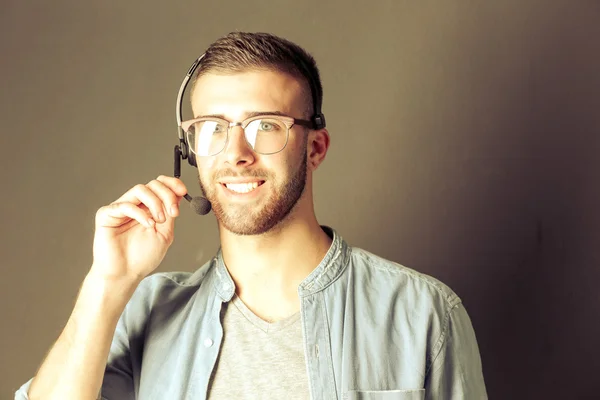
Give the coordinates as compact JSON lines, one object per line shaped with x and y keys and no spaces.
{"x":168,"y":197}
{"x":142,"y":194}
{"x":114,"y":215}
{"x":175,"y":184}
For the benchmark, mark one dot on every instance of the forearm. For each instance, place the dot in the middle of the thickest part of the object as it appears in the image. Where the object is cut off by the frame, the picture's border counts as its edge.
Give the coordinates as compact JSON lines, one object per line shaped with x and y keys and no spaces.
{"x":74,"y":367}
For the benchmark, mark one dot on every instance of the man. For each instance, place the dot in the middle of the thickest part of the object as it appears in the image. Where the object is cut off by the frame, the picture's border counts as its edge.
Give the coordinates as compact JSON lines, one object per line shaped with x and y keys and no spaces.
{"x":286,"y":309}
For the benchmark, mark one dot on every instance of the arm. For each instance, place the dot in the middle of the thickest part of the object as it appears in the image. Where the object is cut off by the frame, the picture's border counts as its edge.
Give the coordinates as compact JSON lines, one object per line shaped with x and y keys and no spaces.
{"x":74,"y":367}
{"x":132,"y":237}
{"x":456,"y":371}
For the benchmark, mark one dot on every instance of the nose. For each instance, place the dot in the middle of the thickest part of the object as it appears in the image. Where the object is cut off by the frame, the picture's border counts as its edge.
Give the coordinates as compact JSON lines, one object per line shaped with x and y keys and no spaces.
{"x":238,"y":152}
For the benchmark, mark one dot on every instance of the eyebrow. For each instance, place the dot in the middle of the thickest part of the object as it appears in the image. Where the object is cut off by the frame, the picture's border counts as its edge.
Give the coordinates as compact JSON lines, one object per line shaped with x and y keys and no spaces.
{"x":248,"y":115}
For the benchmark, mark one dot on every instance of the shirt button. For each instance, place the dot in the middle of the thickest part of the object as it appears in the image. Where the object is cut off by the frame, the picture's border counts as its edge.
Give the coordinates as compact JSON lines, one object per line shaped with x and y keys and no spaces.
{"x":208,"y":342}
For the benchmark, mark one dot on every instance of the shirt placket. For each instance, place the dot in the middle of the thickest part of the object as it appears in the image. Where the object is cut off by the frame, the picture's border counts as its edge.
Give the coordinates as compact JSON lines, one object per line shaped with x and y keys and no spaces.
{"x":317,"y":347}
{"x":210,"y":338}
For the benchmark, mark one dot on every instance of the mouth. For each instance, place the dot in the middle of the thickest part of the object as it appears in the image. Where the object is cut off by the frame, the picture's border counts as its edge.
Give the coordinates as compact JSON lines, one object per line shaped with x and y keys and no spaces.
{"x":242,"y":188}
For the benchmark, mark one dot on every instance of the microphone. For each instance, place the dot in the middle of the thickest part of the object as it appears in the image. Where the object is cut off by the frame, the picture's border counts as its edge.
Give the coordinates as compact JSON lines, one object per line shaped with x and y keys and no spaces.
{"x":199,"y":204}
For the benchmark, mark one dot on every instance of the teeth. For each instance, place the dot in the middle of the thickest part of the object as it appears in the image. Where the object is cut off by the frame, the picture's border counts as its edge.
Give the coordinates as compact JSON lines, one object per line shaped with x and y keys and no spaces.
{"x":242,"y":187}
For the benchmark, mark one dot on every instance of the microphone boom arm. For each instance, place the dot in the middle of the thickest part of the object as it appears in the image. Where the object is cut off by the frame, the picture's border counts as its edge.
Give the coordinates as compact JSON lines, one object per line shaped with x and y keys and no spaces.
{"x":177,"y":162}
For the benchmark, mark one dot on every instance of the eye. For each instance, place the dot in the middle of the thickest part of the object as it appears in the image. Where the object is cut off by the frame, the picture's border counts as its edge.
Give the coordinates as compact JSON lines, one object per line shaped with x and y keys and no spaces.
{"x":267,"y":126}
{"x":219,"y":129}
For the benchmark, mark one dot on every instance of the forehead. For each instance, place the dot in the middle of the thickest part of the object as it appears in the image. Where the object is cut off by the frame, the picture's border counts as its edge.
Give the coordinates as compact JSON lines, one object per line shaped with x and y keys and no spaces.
{"x":233,"y":95}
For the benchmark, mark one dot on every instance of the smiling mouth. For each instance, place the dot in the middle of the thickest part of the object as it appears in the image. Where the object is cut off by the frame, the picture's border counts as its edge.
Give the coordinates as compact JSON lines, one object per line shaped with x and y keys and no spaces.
{"x":243,"y":187}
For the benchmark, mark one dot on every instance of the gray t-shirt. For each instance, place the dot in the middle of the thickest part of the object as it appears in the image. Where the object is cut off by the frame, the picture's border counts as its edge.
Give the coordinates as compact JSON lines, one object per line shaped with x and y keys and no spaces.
{"x":259,"y":359}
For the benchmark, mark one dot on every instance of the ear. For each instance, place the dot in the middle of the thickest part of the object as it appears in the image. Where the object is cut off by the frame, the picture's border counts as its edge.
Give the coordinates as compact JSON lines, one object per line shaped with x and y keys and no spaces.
{"x":318,"y":144}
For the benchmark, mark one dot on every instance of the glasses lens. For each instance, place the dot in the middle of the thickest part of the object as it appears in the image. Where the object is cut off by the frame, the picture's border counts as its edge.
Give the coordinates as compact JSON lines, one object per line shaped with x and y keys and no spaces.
{"x":267,"y":135}
{"x":207,"y":138}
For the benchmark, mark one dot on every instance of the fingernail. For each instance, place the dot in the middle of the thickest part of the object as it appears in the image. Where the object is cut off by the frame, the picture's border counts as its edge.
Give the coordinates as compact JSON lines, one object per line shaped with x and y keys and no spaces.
{"x":161,"y":217}
{"x":150,"y":222}
{"x":173,"y":210}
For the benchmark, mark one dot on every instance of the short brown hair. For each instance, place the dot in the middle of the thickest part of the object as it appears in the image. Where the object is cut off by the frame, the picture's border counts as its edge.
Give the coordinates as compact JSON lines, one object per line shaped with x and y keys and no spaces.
{"x":243,"y":51}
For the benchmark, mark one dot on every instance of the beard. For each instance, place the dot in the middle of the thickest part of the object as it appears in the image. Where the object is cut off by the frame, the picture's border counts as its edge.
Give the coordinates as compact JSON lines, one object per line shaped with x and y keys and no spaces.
{"x":259,"y":219}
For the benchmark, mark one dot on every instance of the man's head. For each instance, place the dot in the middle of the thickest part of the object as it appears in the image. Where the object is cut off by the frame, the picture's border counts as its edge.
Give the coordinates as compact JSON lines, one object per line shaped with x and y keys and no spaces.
{"x":243,"y":75}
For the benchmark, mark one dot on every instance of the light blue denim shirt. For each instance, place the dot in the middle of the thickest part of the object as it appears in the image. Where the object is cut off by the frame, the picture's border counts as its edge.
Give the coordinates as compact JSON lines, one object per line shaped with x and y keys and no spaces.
{"x":372,"y":329}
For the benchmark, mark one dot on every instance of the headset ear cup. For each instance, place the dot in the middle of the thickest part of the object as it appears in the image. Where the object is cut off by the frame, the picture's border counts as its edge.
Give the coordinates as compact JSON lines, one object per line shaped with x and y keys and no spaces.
{"x":319,"y":121}
{"x":189,"y":155}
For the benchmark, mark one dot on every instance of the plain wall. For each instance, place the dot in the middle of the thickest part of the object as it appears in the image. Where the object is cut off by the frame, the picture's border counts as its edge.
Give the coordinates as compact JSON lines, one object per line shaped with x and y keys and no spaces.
{"x":465,"y":142}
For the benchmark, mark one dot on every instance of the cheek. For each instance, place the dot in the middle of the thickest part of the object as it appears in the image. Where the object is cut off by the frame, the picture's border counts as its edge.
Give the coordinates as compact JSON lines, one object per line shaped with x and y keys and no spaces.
{"x":204,"y":178}
{"x":205,"y":168}
{"x":287,"y":169}
{"x":205,"y":163}
{"x":300,"y":156}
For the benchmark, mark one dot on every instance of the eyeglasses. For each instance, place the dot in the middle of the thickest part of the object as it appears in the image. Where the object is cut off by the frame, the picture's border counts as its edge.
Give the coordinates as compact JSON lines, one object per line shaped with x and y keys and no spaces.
{"x":265,"y":134}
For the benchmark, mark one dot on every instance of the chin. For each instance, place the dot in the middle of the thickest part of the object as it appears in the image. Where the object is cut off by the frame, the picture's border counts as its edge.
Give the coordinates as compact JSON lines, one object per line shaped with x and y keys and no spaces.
{"x":268,"y":219}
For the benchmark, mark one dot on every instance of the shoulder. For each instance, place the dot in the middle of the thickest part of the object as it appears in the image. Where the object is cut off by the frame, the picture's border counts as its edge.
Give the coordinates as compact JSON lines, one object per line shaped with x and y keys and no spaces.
{"x":176,"y":279}
{"x":400,"y":281}
{"x":416,"y":306}
{"x":175,"y":288}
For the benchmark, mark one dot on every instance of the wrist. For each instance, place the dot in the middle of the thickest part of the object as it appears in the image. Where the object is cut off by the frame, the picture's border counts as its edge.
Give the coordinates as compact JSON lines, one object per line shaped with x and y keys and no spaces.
{"x":109,"y":288}
{"x":99,"y":275}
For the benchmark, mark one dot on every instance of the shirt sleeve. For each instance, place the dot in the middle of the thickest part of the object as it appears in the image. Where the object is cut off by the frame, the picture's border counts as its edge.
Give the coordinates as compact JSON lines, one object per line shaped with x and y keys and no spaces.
{"x":117,"y":383}
{"x":123,"y":365}
{"x":21,"y":393}
{"x":456,"y":371}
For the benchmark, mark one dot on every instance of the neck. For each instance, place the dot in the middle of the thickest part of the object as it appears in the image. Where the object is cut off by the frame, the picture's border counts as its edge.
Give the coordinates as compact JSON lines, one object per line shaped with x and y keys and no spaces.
{"x":268,"y":268}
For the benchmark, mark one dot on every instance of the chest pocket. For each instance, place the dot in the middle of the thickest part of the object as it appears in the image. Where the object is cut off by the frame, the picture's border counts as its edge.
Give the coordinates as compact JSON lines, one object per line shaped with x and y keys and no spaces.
{"x":417,"y":394}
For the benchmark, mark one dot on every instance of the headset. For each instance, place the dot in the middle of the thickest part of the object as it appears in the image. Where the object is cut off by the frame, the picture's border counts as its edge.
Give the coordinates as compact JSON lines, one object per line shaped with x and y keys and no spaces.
{"x":182,"y":152}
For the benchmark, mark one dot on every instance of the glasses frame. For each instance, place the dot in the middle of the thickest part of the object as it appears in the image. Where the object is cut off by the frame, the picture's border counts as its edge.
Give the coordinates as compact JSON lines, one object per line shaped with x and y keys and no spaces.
{"x":288,"y":121}
{"x":181,"y":151}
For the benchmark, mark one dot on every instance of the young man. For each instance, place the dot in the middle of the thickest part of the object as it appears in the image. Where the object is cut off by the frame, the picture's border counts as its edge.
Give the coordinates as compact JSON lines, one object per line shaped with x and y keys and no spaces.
{"x":286,"y":309}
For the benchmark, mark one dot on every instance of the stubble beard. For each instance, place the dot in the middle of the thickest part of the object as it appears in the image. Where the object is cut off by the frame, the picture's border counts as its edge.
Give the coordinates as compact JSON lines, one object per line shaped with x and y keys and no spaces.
{"x":257,"y":220}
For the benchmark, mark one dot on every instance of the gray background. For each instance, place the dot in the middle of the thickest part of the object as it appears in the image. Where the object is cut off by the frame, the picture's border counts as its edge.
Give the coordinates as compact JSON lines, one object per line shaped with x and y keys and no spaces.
{"x":465,"y":139}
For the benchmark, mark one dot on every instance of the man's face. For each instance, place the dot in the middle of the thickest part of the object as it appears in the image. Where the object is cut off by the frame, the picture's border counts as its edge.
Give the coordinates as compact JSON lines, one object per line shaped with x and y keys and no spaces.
{"x":251,"y":193}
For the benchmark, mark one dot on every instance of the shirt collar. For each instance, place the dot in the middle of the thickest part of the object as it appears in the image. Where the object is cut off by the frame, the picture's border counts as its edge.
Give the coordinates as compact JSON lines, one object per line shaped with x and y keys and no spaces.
{"x":328,"y":270}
